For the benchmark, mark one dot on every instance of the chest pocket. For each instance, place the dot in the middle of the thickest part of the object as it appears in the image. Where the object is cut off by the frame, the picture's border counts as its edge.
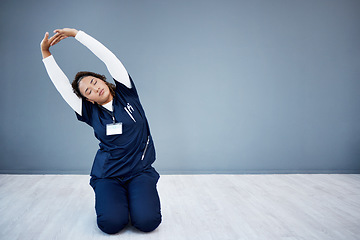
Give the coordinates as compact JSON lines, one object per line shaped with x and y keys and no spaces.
{"x":131,"y":114}
{"x":129,"y":109}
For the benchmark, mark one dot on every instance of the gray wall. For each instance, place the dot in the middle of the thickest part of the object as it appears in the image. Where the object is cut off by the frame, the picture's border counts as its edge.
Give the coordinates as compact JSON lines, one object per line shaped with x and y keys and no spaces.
{"x":250,"y":86}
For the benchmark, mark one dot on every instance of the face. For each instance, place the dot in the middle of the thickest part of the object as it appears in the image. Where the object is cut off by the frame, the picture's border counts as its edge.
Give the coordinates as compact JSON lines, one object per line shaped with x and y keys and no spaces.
{"x":95,"y":90}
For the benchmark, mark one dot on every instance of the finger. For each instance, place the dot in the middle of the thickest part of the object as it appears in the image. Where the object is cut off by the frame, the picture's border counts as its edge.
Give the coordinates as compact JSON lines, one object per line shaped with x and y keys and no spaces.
{"x":46,"y":36}
{"x":54,"y":42}
{"x":58,"y":31}
{"x":55,"y":38}
{"x":45,"y":39}
{"x":58,"y":39}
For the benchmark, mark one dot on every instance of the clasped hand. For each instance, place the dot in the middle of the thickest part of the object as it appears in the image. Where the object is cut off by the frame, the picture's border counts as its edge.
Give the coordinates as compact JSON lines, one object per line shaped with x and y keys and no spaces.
{"x":59,"y":35}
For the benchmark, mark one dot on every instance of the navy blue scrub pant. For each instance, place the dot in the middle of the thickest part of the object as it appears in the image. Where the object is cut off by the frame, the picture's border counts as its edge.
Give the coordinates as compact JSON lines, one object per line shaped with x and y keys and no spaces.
{"x":117,"y":200}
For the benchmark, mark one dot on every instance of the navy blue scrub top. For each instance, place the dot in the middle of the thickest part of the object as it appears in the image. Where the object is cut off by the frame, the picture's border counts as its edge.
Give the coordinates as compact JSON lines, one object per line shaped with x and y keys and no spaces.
{"x":122,"y":155}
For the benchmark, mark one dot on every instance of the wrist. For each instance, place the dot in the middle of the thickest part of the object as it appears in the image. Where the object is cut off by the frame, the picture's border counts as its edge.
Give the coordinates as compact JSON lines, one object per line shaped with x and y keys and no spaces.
{"x":45,"y":53}
{"x":75,"y":32}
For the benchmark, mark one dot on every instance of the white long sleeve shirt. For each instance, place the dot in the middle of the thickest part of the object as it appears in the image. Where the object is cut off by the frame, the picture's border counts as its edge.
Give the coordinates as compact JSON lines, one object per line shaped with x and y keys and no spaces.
{"x":61,"y":82}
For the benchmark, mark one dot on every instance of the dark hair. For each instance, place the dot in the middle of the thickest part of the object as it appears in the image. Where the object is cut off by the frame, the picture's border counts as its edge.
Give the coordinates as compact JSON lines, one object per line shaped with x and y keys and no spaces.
{"x":80,"y":75}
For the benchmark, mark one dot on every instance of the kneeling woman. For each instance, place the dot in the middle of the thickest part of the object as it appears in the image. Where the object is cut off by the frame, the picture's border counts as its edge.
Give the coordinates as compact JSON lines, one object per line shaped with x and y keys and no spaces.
{"x":122,"y":177}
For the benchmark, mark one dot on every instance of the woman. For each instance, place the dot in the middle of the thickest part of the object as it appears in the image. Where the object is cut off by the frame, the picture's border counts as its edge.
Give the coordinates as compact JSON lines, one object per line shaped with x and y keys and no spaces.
{"x":122,"y":177}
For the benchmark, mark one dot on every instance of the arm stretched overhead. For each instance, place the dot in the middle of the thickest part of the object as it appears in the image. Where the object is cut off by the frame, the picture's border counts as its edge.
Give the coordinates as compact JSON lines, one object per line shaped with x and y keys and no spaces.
{"x":113,"y":64}
{"x":57,"y":76}
{"x":62,"y":84}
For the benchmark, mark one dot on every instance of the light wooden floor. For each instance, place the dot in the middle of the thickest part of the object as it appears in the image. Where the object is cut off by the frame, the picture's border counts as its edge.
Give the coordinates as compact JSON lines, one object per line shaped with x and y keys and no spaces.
{"x":218,"y":207}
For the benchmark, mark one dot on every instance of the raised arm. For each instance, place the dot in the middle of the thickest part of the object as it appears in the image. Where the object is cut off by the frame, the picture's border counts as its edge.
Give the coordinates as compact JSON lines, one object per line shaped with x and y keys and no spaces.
{"x":113,"y":64}
{"x":58,"y":77}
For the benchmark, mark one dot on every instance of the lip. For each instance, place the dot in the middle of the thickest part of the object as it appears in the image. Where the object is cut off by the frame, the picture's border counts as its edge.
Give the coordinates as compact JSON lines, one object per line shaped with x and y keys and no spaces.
{"x":101,"y":92}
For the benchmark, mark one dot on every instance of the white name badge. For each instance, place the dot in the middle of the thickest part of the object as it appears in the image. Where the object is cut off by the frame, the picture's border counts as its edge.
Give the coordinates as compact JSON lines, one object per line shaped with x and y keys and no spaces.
{"x":113,"y":129}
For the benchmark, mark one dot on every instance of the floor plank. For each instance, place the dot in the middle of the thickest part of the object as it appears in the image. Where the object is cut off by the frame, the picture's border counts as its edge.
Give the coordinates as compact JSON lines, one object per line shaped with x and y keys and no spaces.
{"x":286,"y":207}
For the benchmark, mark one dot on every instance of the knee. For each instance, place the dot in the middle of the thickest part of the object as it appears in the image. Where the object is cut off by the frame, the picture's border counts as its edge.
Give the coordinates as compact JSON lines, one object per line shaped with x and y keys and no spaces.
{"x":146,"y":223}
{"x":112,"y":224}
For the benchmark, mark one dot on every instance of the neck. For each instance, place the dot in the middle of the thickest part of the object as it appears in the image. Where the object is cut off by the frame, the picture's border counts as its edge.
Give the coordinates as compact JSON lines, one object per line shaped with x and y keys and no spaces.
{"x":109,"y":100}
